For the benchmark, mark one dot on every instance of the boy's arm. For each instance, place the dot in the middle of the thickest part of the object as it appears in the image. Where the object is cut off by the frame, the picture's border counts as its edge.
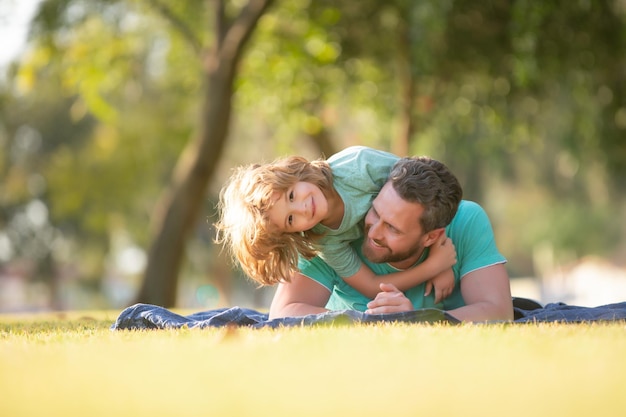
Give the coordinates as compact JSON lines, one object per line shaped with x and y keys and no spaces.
{"x":367,"y":282}
{"x":440,"y":260}
{"x":443,"y":284}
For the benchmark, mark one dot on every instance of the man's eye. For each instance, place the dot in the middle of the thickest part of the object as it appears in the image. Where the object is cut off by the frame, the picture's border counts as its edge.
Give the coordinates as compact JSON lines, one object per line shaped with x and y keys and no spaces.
{"x":291,"y":196}
{"x":290,"y":220}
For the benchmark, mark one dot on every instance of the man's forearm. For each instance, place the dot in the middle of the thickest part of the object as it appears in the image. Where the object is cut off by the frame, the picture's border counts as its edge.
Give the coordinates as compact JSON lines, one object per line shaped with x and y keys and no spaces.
{"x":485,"y":311}
{"x":294,"y":310}
{"x":487,"y":295}
{"x":301,"y":297}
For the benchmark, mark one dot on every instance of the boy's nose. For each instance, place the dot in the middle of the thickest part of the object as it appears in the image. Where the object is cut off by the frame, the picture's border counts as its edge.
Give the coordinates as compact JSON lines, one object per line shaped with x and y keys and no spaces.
{"x":302,"y":209}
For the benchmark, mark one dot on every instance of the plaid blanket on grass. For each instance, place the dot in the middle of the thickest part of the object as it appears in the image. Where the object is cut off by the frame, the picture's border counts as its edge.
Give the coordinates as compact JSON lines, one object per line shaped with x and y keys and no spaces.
{"x":146,"y":316}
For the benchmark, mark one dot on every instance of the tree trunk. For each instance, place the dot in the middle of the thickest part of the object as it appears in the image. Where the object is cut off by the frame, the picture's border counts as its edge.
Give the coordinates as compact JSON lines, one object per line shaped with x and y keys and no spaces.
{"x":177,"y":212}
{"x":324,"y":143}
{"x":406,"y":128}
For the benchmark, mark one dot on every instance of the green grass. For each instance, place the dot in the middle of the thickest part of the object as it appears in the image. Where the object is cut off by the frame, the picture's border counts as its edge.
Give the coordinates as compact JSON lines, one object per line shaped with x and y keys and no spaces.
{"x":73,"y":365}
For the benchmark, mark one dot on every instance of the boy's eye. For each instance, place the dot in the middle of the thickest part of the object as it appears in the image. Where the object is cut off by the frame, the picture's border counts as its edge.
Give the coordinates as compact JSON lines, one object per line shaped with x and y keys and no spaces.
{"x":290,"y":195}
{"x":290,"y":220}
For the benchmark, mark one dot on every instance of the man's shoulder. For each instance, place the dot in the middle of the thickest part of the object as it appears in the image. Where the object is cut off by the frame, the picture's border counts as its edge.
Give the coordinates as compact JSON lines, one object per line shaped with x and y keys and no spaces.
{"x":468,"y":209}
{"x":470,"y":218}
{"x":469,"y":205}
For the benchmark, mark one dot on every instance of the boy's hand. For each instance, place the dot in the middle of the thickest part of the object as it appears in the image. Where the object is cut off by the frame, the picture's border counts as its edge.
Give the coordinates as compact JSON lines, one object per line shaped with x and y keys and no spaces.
{"x":443,"y":284}
{"x":443,"y":252}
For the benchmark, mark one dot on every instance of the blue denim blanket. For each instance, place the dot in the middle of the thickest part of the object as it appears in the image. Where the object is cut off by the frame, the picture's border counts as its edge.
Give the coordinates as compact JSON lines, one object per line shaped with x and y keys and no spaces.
{"x":146,"y":316}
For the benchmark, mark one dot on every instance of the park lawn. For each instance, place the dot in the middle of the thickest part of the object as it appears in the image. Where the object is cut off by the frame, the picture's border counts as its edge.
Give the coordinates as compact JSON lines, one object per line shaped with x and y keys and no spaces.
{"x":73,"y":365}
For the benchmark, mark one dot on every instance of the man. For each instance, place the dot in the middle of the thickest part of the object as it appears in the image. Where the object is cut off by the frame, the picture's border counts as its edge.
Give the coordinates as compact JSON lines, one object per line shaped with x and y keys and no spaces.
{"x":420,"y":201}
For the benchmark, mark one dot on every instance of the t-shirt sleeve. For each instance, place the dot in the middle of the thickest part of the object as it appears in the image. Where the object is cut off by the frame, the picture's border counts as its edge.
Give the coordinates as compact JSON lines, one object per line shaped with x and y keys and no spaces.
{"x":474,"y":240}
{"x":318,"y":270}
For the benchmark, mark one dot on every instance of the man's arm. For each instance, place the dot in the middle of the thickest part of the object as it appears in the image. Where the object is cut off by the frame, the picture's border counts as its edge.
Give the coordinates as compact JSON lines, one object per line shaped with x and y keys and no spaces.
{"x":299,"y":297}
{"x":487,"y":295}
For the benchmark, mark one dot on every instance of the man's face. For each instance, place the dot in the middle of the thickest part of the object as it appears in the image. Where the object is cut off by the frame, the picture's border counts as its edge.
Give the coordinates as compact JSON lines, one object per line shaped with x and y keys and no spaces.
{"x":393,"y":233}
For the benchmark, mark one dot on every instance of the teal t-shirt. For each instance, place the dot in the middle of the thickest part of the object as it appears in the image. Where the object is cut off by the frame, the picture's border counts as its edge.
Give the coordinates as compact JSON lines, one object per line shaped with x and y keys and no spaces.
{"x":472,"y":235}
{"x":359,"y":173}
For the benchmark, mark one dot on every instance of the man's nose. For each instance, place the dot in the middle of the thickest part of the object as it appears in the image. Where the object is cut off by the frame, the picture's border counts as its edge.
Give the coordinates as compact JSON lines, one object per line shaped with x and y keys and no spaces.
{"x":373,"y":230}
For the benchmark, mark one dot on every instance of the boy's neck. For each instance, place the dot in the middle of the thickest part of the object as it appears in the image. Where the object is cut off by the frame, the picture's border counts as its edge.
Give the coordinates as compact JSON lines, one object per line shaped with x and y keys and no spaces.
{"x":336,"y":210}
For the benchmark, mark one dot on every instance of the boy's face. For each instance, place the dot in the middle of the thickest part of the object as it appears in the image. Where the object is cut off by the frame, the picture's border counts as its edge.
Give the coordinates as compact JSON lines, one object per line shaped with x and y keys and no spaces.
{"x":299,"y":208}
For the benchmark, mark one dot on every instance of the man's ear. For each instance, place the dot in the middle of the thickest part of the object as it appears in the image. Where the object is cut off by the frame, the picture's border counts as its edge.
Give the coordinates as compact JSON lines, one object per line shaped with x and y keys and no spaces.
{"x":433,"y":236}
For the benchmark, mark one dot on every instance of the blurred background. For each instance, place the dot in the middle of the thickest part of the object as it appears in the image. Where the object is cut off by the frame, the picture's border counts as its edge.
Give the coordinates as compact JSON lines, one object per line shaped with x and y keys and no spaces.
{"x":121,"y":119}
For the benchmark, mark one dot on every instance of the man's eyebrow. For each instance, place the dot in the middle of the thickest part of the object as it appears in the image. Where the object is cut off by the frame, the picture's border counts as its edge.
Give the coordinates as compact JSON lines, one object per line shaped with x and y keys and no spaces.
{"x":391,"y":225}
{"x":385,"y":221}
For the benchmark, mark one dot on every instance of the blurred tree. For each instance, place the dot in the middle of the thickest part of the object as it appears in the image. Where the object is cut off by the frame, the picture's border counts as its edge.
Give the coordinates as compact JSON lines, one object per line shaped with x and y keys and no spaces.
{"x":522,"y":99}
{"x":96,"y":58}
{"x":528,"y":99}
{"x":177,"y":212}
{"x":34,"y":129}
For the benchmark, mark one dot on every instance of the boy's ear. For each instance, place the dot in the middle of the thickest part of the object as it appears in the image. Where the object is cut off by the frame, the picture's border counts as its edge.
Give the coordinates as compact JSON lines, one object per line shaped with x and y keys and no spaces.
{"x":433,"y":236}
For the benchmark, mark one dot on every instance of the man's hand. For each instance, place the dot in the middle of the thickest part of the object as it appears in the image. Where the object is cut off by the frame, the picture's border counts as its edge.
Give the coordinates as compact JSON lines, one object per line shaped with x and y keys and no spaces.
{"x":389,"y":300}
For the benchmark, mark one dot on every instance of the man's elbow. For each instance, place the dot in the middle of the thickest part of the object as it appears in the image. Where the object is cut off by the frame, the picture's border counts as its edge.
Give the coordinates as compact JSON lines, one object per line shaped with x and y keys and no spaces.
{"x":502,"y":312}
{"x":294,"y":310}
{"x":485,"y":311}
{"x":277,"y":312}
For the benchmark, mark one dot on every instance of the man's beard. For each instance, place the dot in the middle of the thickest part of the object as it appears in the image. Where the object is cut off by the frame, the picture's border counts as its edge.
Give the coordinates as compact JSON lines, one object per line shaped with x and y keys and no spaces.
{"x":387,"y":255}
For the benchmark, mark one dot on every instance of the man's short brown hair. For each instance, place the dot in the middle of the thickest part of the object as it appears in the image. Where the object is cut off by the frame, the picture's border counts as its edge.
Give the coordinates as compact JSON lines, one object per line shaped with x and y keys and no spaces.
{"x":428,"y":182}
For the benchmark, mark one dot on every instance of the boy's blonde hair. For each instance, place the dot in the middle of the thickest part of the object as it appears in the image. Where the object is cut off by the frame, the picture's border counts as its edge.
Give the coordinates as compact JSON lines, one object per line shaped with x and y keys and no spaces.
{"x":267,"y":255}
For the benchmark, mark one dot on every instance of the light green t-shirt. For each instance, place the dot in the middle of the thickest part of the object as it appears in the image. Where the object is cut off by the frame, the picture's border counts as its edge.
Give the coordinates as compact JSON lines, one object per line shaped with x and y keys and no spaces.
{"x":359,"y":173}
{"x":473,"y":238}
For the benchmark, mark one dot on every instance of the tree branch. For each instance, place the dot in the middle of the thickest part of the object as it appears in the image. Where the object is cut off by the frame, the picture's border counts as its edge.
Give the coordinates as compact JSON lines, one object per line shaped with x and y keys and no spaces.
{"x":237,"y":34}
{"x":178,"y":24}
{"x":221,"y":22}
